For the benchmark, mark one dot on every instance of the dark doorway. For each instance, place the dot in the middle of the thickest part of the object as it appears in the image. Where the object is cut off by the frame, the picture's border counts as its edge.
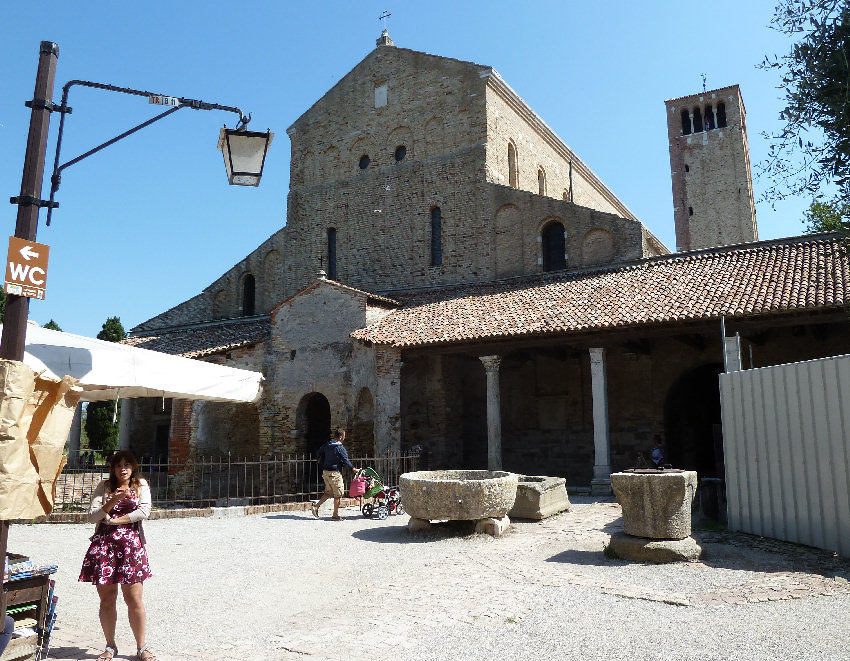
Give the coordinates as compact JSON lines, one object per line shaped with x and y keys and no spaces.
{"x":317,"y":421}
{"x":474,"y":414}
{"x":160,"y":448}
{"x":692,"y":422}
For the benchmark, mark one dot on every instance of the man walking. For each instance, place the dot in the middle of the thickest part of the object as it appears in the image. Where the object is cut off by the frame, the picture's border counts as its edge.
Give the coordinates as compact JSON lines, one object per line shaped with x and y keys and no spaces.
{"x":332,"y":456}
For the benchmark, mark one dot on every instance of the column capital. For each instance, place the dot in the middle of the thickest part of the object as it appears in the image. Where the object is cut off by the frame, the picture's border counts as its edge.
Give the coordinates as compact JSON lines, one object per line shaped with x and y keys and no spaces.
{"x":597,"y":354}
{"x":491,"y":363}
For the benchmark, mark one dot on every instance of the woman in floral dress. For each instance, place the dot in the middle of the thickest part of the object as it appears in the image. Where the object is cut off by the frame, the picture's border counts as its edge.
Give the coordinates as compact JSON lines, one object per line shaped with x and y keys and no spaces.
{"x":117,"y":554}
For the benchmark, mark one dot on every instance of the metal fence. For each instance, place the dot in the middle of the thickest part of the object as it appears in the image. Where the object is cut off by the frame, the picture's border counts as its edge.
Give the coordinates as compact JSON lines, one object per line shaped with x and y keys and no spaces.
{"x":226,"y":480}
{"x":786,"y":443}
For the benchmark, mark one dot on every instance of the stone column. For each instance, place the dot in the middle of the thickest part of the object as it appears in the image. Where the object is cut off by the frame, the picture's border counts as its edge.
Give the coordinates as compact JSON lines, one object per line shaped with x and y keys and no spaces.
{"x":691,"y":115}
{"x":600,"y":485}
{"x":494,"y":413}
{"x":74,"y":437}
{"x":124,"y":424}
{"x":387,"y":400}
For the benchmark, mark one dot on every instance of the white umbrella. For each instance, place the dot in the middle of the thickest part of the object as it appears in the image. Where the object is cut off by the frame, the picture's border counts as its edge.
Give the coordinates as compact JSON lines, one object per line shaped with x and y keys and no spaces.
{"x":109,"y":370}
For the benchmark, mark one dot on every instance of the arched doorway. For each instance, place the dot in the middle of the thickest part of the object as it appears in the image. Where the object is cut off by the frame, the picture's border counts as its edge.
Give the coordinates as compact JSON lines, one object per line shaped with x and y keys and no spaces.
{"x":314,"y":420}
{"x":692,"y":422}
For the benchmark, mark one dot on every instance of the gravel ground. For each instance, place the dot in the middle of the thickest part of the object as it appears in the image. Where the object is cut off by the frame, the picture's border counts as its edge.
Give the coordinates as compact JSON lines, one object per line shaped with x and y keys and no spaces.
{"x":288,"y":586}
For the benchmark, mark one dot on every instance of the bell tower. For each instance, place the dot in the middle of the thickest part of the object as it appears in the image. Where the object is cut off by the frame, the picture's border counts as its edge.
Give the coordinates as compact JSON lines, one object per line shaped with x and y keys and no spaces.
{"x":713,"y":201}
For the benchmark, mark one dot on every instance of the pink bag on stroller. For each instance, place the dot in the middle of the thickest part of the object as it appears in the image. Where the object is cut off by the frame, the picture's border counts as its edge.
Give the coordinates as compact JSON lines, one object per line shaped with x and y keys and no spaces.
{"x":357,"y":487}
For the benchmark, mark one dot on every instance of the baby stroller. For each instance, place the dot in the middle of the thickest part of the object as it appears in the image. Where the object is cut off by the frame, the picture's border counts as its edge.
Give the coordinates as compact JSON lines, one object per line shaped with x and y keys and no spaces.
{"x":384,"y":500}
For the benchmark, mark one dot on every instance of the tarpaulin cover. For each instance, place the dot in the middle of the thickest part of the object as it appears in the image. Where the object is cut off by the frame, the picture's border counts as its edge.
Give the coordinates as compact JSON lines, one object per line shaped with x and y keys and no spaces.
{"x":35,"y":416}
{"x":110,"y":370}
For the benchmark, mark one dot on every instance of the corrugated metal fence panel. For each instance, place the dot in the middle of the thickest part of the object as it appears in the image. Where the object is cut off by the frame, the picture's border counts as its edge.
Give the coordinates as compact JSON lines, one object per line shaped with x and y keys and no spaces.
{"x":786,"y":444}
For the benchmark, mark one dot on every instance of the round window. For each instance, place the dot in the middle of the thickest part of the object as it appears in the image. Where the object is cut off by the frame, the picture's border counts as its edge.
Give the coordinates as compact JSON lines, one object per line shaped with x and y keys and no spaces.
{"x":400,"y":153}
{"x":364,"y":162}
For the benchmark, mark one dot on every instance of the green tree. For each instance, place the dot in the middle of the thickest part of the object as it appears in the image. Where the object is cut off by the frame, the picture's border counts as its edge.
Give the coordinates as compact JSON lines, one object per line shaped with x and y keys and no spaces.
{"x":112,"y":330}
{"x":101,"y":429}
{"x":828,"y":217}
{"x":52,"y":325}
{"x":102,"y":432}
{"x":812,"y":151}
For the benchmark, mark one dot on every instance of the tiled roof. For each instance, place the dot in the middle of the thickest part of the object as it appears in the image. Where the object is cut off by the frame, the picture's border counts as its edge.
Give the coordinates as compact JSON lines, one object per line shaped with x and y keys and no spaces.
{"x":750,"y":279}
{"x":201,"y":340}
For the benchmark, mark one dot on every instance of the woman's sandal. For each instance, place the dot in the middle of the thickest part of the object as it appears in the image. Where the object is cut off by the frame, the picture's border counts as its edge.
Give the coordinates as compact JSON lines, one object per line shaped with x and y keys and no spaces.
{"x":145,"y":654}
{"x":108,"y":654}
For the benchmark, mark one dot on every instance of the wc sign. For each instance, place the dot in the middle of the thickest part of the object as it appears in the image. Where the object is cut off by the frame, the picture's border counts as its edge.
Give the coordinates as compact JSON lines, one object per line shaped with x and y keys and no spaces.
{"x":26,"y":268}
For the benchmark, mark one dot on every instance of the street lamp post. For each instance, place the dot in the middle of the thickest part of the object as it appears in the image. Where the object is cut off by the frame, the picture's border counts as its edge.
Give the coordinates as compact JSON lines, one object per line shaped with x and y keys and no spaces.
{"x":244,"y":157}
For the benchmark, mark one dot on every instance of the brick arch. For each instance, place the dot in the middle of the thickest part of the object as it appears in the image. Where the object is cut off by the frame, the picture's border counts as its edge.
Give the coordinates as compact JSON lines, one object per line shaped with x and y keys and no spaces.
{"x":401,"y":135}
{"x":271,"y":279}
{"x":597,"y":247}
{"x":553,"y":238}
{"x":329,"y":165}
{"x":509,"y":253}
{"x":306,"y":174}
{"x":361,"y":146}
{"x":247,"y":294}
{"x":434,"y":136}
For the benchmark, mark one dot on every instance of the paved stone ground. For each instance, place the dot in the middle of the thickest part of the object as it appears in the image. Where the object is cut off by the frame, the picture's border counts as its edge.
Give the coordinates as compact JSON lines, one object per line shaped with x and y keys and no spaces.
{"x":287,"y":586}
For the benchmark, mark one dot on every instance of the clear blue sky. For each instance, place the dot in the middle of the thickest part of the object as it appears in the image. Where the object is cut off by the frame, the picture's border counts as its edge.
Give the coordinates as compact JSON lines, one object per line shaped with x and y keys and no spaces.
{"x":151,"y":221}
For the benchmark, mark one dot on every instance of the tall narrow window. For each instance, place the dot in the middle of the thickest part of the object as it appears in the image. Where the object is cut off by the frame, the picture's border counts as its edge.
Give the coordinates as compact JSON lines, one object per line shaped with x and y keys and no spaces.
{"x":436,"y":236}
{"x":686,"y":122}
{"x":697,"y":120}
{"x":554,"y":247}
{"x":541,"y":181}
{"x":709,"y":118}
{"x":248,"y":288}
{"x":721,"y":115}
{"x":332,"y":253}
{"x":512,"y":172}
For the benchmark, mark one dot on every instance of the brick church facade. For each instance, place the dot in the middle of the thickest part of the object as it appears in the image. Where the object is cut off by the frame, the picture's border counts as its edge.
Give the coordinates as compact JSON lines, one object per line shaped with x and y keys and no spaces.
{"x":451,"y":276}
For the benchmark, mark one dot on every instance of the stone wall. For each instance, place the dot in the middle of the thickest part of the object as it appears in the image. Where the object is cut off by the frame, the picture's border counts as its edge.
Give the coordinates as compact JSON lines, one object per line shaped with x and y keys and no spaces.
{"x":538,"y":151}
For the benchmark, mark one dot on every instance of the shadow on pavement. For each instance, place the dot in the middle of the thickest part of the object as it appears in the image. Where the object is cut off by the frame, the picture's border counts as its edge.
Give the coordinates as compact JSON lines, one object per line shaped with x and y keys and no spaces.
{"x":578,"y":557}
{"x":288,"y":516}
{"x":398,"y":534}
{"x":70,"y":653}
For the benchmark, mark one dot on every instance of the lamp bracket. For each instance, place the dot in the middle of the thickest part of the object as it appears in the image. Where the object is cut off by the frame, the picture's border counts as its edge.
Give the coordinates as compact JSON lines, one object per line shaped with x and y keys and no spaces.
{"x":49,"y":106}
{"x":30,"y":201}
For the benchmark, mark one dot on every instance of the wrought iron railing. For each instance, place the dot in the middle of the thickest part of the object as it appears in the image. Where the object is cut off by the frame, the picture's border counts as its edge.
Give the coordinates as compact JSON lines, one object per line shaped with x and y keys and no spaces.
{"x":225,"y":480}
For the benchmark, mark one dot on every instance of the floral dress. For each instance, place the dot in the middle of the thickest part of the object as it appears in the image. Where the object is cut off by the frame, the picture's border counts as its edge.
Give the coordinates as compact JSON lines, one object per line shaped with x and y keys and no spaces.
{"x":116,"y":554}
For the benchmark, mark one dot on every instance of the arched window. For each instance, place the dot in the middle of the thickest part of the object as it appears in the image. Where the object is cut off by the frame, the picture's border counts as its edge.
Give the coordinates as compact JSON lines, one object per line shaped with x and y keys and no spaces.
{"x":364,"y":162}
{"x":721,"y":115}
{"x":400,"y":153}
{"x":248,"y":288}
{"x":541,"y":181}
{"x":332,"y":253}
{"x":554,"y":247}
{"x":436,"y":236}
{"x":512,"y":169}
{"x":697,"y":120}
{"x":709,"y":118}
{"x":686,"y":122}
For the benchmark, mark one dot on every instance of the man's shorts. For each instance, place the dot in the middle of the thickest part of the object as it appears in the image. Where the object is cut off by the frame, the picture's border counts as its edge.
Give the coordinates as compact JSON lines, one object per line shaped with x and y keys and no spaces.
{"x":334,"y":486}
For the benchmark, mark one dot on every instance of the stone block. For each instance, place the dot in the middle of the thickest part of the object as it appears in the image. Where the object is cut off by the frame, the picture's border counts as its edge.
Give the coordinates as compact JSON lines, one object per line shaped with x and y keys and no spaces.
{"x":419,"y":525}
{"x":538,"y":497}
{"x":494,"y":527}
{"x":457,"y":495}
{"x":656,"y":505}
{"x":641,"y":549}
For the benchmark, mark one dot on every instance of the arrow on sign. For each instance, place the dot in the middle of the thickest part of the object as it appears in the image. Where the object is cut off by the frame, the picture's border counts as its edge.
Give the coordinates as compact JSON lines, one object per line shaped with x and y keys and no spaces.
{"x":28,"y":254}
